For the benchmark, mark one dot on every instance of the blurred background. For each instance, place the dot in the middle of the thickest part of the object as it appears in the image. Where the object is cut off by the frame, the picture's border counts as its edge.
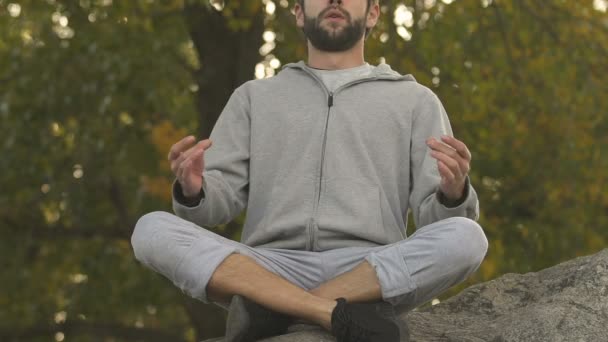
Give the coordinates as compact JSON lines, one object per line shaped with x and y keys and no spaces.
{"x":94,"y":92}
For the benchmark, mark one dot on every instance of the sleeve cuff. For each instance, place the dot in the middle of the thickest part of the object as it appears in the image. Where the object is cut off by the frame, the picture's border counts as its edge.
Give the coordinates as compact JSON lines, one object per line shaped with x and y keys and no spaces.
{"x":178,"y":195}
{"x":454,"y":203}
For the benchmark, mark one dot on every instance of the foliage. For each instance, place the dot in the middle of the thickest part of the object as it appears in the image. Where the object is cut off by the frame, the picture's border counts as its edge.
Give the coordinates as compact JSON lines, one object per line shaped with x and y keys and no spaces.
{"x":93,"y":93}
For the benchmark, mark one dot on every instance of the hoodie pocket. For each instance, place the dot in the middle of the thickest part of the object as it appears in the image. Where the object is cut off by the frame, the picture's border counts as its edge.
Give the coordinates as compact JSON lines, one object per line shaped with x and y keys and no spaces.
{"x":349,"y":211}
{"x":285,"y":211}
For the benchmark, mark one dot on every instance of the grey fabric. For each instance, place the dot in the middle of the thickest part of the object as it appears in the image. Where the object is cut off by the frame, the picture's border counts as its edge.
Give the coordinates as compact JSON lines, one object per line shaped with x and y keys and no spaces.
{"x":410,"y":271}
{"x":334,"y":79}
{"x":320,"y":170}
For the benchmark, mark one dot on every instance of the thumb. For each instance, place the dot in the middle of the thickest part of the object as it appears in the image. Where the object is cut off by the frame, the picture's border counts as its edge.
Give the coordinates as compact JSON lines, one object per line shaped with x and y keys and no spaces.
{"x":206,"y":144}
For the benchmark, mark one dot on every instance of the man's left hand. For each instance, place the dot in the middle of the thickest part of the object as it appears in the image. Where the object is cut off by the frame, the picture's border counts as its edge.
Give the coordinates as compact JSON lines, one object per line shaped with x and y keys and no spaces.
{"x":453,"y":161}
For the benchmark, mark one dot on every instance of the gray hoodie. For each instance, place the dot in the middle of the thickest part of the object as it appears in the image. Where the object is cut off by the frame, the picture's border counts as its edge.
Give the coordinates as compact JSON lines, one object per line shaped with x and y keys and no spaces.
{"x":320,"y":170}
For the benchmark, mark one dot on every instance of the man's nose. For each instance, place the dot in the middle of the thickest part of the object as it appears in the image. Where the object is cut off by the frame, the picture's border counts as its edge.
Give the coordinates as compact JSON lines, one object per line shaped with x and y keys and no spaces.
{"x":339,"y":2}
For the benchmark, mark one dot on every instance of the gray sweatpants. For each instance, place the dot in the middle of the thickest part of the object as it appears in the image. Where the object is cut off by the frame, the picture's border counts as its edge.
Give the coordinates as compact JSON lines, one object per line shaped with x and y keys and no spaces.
{"x":411,"y":272}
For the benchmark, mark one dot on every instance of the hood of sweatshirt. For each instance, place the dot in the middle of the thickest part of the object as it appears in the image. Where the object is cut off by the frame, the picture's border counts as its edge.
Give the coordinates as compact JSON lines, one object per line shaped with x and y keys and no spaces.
{"x":382,"y":71}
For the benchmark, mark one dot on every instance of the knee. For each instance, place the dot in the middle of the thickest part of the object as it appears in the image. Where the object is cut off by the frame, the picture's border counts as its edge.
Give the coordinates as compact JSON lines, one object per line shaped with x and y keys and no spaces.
{"x":145,"y":228}
{"x":470,"y":243}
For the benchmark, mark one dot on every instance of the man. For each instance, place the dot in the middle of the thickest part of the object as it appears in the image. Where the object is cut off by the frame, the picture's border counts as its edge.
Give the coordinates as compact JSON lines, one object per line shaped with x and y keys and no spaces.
{"x":327,"y":156}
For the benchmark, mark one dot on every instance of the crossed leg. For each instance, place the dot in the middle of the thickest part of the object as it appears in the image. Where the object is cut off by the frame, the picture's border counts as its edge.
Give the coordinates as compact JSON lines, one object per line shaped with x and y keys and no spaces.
{"x":241,"y":275}
{"x":360,"y":284}
{"x":433,"y":259}
{"x":406,"y":273}
{"x":209,"y":267}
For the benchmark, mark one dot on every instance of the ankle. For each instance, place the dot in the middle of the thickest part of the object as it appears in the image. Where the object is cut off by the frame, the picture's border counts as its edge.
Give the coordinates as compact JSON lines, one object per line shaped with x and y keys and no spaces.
{"x":324,"y":312}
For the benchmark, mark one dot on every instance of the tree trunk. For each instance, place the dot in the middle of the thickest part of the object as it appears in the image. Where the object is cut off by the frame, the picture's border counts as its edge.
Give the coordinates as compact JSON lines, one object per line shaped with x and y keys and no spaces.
{"x":227,"y":60}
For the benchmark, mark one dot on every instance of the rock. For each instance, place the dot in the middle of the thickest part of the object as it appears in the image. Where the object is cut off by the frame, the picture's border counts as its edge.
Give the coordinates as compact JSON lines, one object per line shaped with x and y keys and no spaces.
{"x":566,"y":302}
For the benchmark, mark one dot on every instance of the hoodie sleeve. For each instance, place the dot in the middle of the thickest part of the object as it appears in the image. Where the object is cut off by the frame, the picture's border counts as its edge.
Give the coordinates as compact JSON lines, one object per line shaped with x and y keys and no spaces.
{"x":226,"y":174}
{"x":426,"y":201}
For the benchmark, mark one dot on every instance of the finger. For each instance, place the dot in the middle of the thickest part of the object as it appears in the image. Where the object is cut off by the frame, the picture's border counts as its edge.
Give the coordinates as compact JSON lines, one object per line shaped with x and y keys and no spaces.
{"x":186,"y":175}
{"x":449,"y":162}
{"x":444,"y":148}
{"x":183,"y":168}
{"x":183,"y":174}
{"x":440,"y":146}
{"x":180,"y":146}
{"x":206,"y":143}
{"x":201,"y":145}
{"x":195,"y":156}
{"x":176,"y":163}
{"x":445,"y":172}
{"x":463,"y":165}
{"x":458,"y":145}
{"x":184,"y":155}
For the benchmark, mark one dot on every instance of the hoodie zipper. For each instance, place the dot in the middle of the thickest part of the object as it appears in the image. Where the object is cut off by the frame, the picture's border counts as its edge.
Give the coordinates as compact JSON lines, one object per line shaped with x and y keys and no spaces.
{"x":312,"y":229}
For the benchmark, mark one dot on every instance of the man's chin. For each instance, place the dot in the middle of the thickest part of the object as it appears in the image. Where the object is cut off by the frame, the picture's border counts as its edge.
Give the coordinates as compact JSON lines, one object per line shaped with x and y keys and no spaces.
{"x":333,"y":28}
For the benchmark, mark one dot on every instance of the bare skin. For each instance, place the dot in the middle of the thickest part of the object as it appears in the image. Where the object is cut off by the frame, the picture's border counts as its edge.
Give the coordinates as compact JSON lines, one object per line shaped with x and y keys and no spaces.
{"x":357,"y":285}
{"x":337,"y":60}
{"x":188,"y":163}
{"x":240,"y":274}
{"x":453,"y":162}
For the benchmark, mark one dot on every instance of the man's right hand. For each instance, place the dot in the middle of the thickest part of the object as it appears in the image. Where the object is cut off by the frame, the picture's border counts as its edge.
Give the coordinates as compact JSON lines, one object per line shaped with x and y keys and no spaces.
{"x":187,"y":163}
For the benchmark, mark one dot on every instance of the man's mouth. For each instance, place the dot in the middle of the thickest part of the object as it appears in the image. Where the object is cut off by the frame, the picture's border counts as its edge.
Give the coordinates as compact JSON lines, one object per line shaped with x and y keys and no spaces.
{"x":334,"y":15}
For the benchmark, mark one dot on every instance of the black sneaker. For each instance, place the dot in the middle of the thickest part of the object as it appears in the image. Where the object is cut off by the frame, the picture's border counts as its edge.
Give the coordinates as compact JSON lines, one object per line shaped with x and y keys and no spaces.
{"x":362,"y":322}
{"x":248,"y":321}
{"x":386,"y":310}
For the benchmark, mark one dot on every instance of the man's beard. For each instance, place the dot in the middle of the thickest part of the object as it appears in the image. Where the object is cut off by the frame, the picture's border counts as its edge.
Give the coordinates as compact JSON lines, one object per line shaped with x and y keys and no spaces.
{"x":325,"y":40}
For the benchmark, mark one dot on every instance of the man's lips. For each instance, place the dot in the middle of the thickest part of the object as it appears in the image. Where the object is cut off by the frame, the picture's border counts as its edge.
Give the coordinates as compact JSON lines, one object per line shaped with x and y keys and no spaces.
{"x":334,"y":14}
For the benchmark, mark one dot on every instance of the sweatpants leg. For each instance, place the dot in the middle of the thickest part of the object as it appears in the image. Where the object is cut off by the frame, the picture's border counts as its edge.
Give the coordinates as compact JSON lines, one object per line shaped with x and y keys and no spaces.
{"x":433,"y":259}
{"x":419,"y":268}
{"x":411,"y":272}
{"x":188,"y":254}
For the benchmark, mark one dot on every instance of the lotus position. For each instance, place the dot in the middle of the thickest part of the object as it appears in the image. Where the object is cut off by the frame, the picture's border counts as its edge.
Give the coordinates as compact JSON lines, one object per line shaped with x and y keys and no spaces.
{"x":328,"y":157}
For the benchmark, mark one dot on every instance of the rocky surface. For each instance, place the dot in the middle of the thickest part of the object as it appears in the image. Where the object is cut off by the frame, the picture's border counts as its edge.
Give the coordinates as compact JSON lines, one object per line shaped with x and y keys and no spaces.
{"x":567,"y":302}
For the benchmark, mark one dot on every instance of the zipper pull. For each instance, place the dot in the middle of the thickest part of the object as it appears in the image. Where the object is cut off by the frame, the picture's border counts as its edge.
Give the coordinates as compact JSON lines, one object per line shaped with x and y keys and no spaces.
{"x":330,"y":100}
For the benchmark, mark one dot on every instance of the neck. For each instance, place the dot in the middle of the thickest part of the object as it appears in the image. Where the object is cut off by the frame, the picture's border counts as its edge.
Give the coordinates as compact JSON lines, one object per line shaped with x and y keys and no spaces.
{"x":351,"y":58}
